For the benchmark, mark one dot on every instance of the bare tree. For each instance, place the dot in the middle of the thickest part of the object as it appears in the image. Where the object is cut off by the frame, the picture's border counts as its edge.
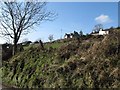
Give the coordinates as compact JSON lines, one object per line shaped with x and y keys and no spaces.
{"x":17,"y":18}
{"x":50,"y":37}
{"x":97,"y":27}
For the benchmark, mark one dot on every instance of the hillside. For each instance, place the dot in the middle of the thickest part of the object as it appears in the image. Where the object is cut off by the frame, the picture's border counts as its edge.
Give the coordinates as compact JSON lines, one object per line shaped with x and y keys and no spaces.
{"x":94,"y":62}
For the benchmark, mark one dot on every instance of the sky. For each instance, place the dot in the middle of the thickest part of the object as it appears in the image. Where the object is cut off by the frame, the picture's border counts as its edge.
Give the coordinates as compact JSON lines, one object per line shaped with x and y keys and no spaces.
{"x":74,"y":16}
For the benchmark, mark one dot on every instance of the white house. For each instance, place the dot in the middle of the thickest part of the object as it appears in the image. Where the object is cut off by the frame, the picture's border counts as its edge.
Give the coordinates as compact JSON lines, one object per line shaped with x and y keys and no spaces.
{"x":68,"y":36}
{"x":71,"y":36}
{"x":100,"y":32}
{"x":103,"y":32}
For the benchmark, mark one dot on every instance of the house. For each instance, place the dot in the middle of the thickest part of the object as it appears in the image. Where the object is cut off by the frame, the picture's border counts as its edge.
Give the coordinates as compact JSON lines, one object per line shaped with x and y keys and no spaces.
{"x":71,"y":35}
{"x":67,"y":36}
{"x":103,"y":32}
{"x":100,"y":32}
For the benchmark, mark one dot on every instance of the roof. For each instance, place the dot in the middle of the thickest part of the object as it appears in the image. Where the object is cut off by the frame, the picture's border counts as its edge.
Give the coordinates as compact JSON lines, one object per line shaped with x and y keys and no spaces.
{"x":106,"y":30}
{"x":67,"y":34}
{"x":98,"y":31}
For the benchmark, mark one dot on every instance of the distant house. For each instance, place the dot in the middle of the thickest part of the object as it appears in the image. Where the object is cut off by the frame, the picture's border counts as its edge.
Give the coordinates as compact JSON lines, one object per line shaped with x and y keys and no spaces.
{"x":103,"y":32}
{"x":67,"y":36}
{"x":100,"y":32}
{"x":71,"y":35}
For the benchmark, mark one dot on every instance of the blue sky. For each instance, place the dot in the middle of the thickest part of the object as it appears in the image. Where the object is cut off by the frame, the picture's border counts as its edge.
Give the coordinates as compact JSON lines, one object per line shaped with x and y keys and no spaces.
{"x":75,"y":16}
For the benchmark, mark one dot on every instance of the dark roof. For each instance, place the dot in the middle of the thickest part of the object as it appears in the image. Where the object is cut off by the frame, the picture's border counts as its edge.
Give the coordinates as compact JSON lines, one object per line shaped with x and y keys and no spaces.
{"x":98,"y":31}
{"x":106,"y":30}
{"x":67,"y":34}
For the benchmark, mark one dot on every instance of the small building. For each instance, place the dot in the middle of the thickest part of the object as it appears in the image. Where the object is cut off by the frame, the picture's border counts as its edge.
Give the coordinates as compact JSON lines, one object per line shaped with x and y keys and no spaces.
{"x":71,"y":35}
{"x":100,"y":32}
{"x":67,"y":36}
{"x":103,"y":32}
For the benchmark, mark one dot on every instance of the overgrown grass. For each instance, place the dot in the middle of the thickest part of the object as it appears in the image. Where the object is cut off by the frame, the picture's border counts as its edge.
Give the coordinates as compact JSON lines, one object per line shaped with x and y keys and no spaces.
{"x":89,"y":64}
{"x":54,"y":45}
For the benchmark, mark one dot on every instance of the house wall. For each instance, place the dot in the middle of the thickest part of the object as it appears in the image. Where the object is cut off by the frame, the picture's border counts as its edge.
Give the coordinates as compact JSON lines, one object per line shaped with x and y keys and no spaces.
{"x":65,"y":36}
{"x":71,"y":36}
{"x":103,"y":32}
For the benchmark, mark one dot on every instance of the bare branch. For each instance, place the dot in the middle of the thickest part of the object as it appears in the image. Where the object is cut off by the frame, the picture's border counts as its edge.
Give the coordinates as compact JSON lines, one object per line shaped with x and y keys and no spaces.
{"x":17,"y":18}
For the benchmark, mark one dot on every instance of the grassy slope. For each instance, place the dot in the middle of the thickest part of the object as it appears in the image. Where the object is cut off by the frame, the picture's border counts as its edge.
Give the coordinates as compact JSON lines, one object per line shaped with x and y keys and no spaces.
{"x":92,"y":63}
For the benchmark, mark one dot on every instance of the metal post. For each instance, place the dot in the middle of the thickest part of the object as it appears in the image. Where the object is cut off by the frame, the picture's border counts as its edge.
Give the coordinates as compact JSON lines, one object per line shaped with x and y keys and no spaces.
{"x":61,"y":33}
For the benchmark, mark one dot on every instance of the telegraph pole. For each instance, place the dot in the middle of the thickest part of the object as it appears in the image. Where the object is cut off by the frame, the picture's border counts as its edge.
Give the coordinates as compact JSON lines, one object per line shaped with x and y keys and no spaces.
{"x":61,"y":33}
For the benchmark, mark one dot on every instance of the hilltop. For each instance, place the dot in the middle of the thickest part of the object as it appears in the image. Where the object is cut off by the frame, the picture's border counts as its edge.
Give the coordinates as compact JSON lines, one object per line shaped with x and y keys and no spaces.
{"x":93,"y":62}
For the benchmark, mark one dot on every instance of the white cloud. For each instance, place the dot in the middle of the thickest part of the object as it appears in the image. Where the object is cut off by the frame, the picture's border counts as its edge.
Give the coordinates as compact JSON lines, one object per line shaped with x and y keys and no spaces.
{"x":103,"y":19}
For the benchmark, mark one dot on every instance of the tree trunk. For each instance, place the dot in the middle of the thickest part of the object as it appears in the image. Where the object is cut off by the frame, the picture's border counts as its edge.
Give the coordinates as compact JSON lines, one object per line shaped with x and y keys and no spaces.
{"x":41,"y":45}
{"x":15,"y":46}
